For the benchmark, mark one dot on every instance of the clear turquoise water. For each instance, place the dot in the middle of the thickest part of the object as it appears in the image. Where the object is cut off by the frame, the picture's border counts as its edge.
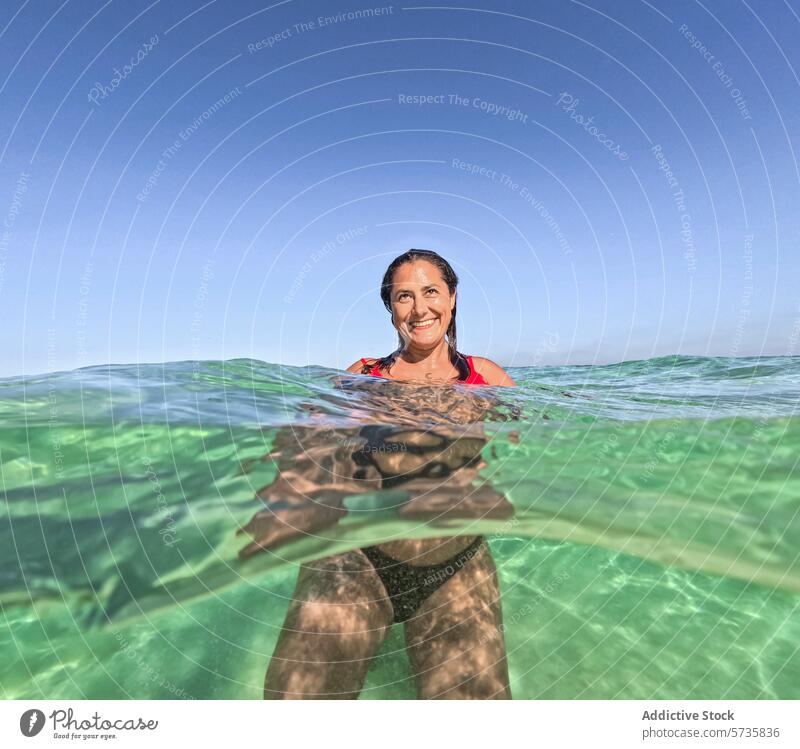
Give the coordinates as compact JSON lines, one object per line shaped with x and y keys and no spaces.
{"x":653,"y":552}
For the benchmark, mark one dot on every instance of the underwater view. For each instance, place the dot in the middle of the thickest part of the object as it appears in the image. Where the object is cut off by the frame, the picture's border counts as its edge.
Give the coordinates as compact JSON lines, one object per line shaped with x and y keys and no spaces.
{"x":644,"y":518}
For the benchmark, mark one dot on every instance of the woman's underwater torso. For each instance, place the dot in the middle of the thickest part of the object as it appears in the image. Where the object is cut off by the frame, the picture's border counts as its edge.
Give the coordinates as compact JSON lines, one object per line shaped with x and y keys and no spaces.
{"x":428,"y":551}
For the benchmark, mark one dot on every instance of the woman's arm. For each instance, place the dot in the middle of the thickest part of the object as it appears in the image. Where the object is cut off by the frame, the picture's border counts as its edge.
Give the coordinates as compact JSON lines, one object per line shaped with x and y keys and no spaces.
{"x":493,"y":373}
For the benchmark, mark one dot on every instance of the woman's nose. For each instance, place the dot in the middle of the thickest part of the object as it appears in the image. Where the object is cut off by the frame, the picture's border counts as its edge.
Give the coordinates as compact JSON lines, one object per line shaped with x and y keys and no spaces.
{"x":420,"y":306}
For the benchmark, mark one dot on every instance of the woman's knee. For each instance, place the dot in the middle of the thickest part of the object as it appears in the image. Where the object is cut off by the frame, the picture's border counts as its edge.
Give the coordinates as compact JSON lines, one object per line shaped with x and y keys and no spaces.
{"x":484,"y":686}
{"x":325,"y":649}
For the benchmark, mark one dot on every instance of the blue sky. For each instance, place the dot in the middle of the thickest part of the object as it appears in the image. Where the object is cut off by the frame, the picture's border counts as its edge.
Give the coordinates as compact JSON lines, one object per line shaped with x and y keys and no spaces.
{"x":184,"y":180}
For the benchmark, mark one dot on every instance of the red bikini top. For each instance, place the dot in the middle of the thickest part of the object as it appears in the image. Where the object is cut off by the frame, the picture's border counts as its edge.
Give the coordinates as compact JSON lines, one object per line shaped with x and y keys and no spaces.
{"x":475,"y":378}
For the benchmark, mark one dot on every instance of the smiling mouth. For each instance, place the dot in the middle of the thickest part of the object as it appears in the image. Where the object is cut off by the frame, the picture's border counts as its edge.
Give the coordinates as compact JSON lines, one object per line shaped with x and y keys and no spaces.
{"x":423,"y":324}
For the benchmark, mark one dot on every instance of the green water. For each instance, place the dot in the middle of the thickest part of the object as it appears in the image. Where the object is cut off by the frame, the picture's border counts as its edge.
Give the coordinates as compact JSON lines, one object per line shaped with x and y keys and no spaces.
{"x":653,"y":552}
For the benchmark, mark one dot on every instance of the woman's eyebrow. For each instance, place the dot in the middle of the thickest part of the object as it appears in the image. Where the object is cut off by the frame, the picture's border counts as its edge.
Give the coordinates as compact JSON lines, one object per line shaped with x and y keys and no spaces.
{"x":423,"y":286}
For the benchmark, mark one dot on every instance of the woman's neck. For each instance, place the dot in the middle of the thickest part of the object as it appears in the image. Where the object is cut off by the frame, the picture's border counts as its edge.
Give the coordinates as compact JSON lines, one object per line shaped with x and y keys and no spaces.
{"x":435,"y":357}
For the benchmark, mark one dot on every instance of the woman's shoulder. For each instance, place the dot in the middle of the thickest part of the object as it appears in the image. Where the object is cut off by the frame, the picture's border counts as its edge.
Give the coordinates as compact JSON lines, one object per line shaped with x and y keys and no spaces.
{"x":493,"y":373}
{"x":358,"y":365}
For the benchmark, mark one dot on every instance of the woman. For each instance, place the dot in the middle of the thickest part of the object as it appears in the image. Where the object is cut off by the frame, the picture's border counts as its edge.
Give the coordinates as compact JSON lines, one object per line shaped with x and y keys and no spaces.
{"x":445,"y":591}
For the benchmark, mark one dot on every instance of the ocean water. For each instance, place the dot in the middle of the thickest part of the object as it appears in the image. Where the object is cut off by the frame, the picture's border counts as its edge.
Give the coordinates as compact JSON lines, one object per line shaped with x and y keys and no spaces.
{"x":644,"y":518}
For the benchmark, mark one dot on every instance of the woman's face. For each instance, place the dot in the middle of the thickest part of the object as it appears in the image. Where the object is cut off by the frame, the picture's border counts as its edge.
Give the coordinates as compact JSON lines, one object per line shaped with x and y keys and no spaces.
{"x":421,"y":304}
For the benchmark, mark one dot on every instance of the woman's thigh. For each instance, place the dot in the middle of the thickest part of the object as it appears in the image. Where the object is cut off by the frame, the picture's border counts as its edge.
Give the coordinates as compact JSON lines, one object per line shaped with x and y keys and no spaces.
{"x":455,"y":640}
{"x":337,"y":620}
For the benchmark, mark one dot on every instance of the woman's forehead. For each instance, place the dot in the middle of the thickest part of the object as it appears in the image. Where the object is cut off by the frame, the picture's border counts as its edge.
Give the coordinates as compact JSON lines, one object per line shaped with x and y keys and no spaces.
{"x":418,"y":272}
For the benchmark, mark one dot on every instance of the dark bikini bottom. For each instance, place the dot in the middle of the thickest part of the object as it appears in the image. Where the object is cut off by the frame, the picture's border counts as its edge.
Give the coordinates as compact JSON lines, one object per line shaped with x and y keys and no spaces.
{"x":407,"y":585}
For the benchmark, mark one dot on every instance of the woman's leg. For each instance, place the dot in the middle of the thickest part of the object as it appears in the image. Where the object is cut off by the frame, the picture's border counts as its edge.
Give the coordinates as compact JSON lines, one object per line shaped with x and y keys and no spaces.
{"x":455,"y":640}
{"x":337,"y":620}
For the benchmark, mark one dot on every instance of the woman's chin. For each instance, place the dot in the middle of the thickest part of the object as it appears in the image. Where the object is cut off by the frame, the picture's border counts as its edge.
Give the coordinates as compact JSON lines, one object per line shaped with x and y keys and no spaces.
{"x":426,"y":340}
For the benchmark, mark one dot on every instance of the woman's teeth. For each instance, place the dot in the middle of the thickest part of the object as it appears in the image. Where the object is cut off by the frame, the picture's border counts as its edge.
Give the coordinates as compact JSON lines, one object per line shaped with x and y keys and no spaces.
{"x":422,"y":324}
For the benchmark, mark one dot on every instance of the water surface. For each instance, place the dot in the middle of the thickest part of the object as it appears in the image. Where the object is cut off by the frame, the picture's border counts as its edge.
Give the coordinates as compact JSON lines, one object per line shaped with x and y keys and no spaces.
{"x":643,"y":517}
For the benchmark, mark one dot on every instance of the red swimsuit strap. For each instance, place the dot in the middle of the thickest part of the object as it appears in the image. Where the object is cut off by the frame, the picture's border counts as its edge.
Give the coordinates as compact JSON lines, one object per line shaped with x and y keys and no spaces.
{"x":375,"y":372}
{"x":474,"y":378}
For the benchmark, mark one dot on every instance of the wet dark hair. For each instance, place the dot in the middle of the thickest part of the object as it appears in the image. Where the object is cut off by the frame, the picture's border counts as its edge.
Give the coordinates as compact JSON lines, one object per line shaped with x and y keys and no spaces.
{"x":458,"y":360}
